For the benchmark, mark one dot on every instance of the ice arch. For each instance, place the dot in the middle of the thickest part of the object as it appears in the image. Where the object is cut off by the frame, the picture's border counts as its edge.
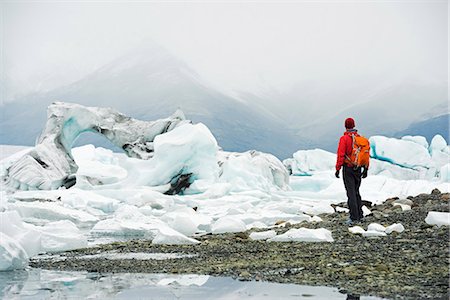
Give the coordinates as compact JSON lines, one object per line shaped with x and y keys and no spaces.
{"x":50,"y":165}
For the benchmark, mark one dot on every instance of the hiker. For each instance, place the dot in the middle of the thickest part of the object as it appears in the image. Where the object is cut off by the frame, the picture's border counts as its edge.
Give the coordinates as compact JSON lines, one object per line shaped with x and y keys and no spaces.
{"x":353,"y":157}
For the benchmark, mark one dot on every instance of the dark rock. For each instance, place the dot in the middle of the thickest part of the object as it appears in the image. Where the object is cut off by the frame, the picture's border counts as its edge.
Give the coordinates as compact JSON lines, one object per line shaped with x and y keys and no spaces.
{"x":436,"y":192}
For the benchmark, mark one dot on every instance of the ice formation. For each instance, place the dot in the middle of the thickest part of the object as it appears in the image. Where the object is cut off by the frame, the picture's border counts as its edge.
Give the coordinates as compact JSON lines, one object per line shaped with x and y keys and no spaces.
{"x":407,"y":158}
{"x":438,"y":218}
{"x":50,"y":164}
{"x":179,"y":183}
{"x":304,"y":235}
{"x":377,"y":230}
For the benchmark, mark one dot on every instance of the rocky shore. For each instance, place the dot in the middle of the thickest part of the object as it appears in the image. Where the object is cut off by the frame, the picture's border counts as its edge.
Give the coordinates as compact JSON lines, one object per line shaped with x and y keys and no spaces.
{"x":413,"y":264}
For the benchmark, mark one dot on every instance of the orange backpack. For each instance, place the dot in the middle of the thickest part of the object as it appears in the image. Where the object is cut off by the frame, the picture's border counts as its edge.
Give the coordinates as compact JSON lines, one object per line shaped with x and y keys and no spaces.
{"x":360,"y":152}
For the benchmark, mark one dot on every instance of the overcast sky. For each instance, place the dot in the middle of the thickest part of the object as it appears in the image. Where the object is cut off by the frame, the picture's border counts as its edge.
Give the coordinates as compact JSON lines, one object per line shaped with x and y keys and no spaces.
{"x":253,"y":46}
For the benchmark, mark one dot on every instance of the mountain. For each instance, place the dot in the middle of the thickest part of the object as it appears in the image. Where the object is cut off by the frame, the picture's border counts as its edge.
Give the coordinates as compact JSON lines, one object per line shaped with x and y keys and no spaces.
{"x":383,"y":111}
{"x":149,"y":83}
{"x":429,"y":128}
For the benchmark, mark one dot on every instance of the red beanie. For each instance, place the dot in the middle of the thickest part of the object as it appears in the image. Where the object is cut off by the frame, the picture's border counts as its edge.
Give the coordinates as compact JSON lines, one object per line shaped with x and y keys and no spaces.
{"x":349,"y":123}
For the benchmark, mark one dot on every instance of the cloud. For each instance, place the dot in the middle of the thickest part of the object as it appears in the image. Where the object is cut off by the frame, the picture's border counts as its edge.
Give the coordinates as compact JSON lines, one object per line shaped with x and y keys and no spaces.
{"x":253,"y":47}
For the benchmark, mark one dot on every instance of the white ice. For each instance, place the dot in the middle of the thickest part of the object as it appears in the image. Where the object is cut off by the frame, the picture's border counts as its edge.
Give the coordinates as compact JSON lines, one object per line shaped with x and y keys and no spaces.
{"x":304,"y":235}
{"x":262,"y":235}
{"x":117,"y":196}
{"x":377,"y":230}
{"x":438,"y":218}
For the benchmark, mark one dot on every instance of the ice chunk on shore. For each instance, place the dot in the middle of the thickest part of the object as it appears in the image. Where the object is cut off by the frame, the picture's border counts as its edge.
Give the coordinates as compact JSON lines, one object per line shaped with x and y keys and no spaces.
{"x":438,"y":218}
{"x":373,"y":233}
{"x":304,"y":235}
{"x":168,"y":236}
{"x":228,"y":224}
{"x":397,"y":227}
{"x":263,"y":235}
{"x":356,"y":229}
{"x":376,"y":227}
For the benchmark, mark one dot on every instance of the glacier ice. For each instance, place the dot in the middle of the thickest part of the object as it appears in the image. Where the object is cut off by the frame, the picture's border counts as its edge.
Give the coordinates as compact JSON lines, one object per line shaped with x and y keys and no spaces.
{"x":121,"y":195}
{"x":50,"y":165}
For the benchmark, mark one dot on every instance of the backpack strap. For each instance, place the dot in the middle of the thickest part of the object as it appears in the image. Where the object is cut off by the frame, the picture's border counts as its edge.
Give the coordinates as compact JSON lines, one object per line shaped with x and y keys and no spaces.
{"x":347,"y":159}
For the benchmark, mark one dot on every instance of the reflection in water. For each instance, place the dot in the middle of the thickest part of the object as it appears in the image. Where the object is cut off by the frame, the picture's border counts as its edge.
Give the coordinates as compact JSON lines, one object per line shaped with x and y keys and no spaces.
{"x":44,"y":284}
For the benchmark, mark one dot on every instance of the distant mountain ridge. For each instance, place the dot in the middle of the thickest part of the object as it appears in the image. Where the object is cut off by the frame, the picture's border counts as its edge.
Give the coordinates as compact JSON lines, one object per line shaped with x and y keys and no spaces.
{"x":150,"y":83}
{"x":429,"y":128}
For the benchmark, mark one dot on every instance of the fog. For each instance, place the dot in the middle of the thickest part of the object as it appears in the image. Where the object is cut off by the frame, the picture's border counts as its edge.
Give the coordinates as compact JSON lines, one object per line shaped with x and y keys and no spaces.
{"x":257,"y":47}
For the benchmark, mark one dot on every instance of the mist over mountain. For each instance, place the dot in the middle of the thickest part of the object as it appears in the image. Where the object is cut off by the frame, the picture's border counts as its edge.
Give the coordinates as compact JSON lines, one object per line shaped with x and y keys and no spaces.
{"x":429,"y":128}
{"x":150,"y":83}
{"x":378,"y":109}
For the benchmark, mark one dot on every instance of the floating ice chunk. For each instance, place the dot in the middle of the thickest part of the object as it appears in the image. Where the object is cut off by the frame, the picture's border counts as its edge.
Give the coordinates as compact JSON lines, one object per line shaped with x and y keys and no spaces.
{"x":397,"y":227}
{"x":228,"y":224}
{"x":373,"y":233}
{"x":304,"y":235}
{"x":438,"y":218}
{"x":376,"y":227}
{"x":12,"y":255}
{"x":185,"y":280}
{"x":264,"y":235}
{"x":356,"y":229}
{"x":168,"y":236}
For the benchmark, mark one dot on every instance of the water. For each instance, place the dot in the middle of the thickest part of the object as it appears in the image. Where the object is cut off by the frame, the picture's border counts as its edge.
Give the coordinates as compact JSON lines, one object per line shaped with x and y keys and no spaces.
{"x":45,"y":284}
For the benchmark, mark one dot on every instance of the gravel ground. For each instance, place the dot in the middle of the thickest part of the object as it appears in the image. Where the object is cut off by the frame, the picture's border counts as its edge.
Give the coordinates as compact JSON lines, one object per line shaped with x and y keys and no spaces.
{"x":413,"y":264}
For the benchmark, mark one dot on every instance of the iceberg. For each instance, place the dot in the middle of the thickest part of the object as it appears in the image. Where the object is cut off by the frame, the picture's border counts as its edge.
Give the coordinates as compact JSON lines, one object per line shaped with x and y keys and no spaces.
{"x":309,"y":162}
{"x":50,"y":164}
{"x":179,"y":183}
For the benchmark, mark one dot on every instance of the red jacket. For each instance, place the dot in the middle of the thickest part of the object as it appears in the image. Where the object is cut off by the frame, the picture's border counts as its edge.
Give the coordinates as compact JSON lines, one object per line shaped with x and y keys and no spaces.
{"x":345,"y":148}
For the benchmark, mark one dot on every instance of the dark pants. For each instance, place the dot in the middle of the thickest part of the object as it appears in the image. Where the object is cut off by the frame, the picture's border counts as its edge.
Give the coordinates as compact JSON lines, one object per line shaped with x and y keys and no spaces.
{"x":352,"y":182}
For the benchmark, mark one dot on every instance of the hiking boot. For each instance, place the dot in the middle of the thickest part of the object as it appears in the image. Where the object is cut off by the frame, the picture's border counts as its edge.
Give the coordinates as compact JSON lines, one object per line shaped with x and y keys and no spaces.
{"x":349,"y":222}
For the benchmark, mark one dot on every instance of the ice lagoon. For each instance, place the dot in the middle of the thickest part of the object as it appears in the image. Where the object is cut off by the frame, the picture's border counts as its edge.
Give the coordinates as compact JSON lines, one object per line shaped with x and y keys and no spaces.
{"x":44,"y":284}
{"x":117,"y":197}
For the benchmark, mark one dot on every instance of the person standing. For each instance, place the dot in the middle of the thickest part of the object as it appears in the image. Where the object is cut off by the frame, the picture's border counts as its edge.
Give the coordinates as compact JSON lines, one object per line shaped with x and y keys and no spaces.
{"x":352,"y":168}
